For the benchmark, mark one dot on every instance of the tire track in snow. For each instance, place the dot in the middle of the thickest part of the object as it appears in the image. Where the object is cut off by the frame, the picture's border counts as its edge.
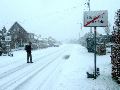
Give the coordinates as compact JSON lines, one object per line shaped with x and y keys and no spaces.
{"x":13,"y":70}
{"x":21,"y":84}
{"x":2,"y":66}
{"x":9,"y":83}
{"x":54,"y":69}
{"x":10,"y":63}
{"x":49,"y":77}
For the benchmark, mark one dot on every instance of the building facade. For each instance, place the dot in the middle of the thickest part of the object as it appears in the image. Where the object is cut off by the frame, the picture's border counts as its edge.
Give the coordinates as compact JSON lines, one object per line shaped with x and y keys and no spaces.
{"x":19,"y":35}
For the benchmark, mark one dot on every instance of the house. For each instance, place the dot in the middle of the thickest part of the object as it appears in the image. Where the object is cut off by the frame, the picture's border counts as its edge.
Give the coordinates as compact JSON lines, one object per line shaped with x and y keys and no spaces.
{"x":19,"y":35}
{"x":31,"y":38}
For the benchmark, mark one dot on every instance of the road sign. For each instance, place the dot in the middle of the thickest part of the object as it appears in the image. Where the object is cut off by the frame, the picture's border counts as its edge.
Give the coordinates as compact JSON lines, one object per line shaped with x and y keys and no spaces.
{"x":96,"y":18}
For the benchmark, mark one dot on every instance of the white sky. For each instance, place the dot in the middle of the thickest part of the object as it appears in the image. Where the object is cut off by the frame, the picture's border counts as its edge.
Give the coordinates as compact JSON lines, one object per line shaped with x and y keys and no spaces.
{"x":57,"y":18}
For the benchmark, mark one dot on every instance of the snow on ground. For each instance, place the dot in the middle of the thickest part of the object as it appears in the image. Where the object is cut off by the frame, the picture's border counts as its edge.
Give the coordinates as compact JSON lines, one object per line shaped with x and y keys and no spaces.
{"x":73,"y":76}
{"x":55,"y":68}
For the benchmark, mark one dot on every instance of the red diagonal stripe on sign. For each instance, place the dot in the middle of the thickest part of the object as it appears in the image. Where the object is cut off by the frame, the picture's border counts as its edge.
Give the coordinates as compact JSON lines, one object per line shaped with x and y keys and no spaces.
{"x":92,"y":20}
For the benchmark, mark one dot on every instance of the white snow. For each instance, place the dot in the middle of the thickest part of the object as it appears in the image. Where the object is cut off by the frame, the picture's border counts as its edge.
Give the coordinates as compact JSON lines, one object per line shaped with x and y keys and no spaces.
{"x":56,"y":68}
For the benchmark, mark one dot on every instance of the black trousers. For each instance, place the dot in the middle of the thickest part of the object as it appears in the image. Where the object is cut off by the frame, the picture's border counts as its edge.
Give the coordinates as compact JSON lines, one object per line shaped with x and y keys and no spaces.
{"x":29,"y":57}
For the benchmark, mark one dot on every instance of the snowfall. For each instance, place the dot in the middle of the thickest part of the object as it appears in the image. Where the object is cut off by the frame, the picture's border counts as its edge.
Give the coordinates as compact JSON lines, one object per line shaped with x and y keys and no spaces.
{"x":56,"y":68}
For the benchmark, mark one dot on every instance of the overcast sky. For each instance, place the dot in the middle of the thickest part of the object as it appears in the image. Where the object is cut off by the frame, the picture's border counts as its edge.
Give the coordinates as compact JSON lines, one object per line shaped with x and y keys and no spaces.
{"x":57,"y":18}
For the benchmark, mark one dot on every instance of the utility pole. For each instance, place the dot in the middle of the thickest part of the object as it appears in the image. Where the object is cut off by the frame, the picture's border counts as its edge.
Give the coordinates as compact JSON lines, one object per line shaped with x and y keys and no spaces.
{"x":81,"y":26}
{"x":88,"y":4}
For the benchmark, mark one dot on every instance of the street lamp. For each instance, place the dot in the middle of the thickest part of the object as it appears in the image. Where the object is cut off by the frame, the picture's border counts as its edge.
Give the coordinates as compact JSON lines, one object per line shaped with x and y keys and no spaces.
{"x":81,"y":26}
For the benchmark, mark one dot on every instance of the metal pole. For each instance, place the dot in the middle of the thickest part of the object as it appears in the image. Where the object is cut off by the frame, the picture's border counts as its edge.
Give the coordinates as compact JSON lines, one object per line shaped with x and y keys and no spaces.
{"x":81,"y":26}
{"x":89,"y":10}
{"x":95,"y":51}
{"x":89,"y":5}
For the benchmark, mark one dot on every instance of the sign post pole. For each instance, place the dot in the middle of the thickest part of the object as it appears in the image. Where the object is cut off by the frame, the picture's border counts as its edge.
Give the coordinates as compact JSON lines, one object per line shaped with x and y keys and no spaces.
{"x":95,"y":51}
{"x":95,"y":19}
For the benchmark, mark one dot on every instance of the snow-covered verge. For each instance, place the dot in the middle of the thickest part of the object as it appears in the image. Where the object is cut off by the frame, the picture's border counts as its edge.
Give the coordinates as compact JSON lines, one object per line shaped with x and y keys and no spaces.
{"x":56,"y":68}
{"x":73,"y":76}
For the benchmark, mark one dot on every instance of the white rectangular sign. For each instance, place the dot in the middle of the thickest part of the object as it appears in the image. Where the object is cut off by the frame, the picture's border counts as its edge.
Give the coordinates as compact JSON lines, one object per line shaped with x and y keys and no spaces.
{"x":96,"y":18}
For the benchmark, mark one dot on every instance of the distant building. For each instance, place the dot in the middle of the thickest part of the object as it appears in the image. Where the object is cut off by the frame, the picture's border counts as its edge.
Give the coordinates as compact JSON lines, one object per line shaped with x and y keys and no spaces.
{"x":31,"y":37}
{"x":19,"y":35}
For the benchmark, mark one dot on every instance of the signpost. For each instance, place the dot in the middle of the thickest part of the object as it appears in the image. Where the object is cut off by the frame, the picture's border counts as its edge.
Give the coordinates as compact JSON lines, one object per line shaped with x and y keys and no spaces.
{"x":95,"y":19}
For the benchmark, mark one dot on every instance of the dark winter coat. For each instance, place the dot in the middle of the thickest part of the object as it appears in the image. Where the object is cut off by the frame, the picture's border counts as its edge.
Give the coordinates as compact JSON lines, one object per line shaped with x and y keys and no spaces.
{"x":28,"y":48}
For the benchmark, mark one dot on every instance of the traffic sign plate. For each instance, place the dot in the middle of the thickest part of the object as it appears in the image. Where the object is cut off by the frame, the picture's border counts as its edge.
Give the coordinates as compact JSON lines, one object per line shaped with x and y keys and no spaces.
{"x":96,"y":18}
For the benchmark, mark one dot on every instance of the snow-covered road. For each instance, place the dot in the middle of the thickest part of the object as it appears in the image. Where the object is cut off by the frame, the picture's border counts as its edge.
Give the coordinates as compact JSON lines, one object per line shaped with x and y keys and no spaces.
{"x":55,"y":68}
{"x":16,"y":74}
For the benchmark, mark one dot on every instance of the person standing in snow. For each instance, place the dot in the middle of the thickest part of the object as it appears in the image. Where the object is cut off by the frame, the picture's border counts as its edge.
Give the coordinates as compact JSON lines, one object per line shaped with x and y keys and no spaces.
{"x":28,"y":49}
